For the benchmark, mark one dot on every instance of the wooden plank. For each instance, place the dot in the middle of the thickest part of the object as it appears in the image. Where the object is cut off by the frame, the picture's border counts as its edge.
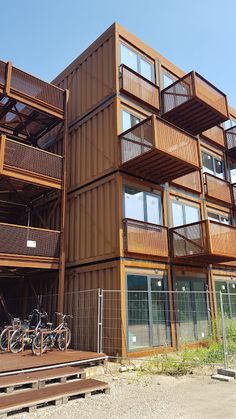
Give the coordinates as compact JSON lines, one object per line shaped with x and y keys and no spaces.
{"x":63,"y":392}
{"x":39,"y":378}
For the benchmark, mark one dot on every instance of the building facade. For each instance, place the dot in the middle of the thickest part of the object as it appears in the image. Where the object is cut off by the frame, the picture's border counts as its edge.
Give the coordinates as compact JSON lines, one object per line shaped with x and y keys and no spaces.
{"x":150,"y":190}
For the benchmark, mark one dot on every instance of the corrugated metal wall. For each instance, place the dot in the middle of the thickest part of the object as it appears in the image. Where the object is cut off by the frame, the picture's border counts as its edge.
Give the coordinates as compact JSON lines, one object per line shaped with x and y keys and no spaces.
{"x":91,"y":78}
{"x":92,"y":232}
{"x":93,"y":147}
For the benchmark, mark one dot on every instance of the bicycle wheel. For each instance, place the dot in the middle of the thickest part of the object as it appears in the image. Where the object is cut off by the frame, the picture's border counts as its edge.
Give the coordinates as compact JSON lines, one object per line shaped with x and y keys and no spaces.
{"x":4,"y":340}
{"x":64,"y":339}
{"x":16,"y":341}
{"x":36,"y":345}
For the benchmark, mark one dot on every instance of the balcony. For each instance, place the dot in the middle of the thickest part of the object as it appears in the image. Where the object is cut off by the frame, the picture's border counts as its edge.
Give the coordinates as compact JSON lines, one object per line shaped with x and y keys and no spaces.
{"x":194,"y":104}
{"x":217,"y":189}
{"x":28,"y":105}
{"x":230,"y":138}
{"x":29,"y":247}
{"x":137,"y":86}
{"x":30,"y":164}
{"x":215,"y":135}
{"x":145,"y":238}
{"x":158,"y":151}
{"x":203,"y":242}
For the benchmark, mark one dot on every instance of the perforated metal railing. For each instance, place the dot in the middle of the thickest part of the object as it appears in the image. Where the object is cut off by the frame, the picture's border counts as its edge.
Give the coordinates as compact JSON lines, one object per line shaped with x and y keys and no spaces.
{"x":28,"y":85}
{"x":145,"y":238}
{"x":32,"y":159}
{"x":230,"y":135}
{"x":137,"y":140}
{"x":218,"y":188}
{"x":136,"y":85}
{"x":194,"y":85}
{"x":190,"y":239}
{"x":29,"y":241}
{"x":204,"y":237}
{"x":178,"y":93}
{"x":154,"y":132}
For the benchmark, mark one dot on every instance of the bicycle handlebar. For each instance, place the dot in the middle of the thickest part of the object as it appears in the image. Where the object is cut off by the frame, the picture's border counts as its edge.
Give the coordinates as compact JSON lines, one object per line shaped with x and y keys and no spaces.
{"x":64,"y":315}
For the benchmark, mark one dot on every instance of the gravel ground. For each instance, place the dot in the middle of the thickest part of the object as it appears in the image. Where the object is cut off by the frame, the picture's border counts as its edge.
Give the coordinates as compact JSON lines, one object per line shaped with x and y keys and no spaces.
{"x":135,"y":395}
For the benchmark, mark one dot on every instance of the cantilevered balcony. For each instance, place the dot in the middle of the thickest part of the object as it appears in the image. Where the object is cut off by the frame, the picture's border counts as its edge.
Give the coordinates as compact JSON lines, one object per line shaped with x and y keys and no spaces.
{"x":29,"y":106}
{"x":230,"y":139}
{"x":158,"y":151}
{"x":30,"y":164}
{"x":135,"y":85}
{"x":203,"y":242}
{"x":29,"y":247}
{"x":145,"y":239}
{"x":215,"y":135}
{"x":217,"y":189}
{"x":194,"y":104}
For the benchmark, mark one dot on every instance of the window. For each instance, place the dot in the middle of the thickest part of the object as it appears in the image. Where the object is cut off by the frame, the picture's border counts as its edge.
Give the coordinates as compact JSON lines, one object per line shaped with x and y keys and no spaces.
{"x":229,"y":124}
{"x":184,"y":213}
{"x":142,"y":206}
{"x":168,"y":79}
{"x":147,"y":307}
{"x":224,"y":219}
{"x":228,"y":289}
{"x":137,"y":62}
{"x":129,"y":120}
{"x":232,"y":170}
{"x":213,"y":165}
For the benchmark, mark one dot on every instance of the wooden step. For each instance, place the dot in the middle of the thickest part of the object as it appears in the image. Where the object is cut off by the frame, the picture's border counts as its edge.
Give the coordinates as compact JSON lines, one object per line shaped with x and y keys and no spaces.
{"x":39,"y":379}
{"x":56,"y":394}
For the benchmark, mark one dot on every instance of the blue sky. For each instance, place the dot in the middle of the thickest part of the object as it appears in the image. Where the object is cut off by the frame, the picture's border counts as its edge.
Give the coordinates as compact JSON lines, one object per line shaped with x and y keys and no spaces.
{"x":44,"y":36}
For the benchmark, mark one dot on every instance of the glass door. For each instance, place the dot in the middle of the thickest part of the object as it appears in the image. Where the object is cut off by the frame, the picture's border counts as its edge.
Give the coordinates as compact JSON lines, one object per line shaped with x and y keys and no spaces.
{"x":192,"y":309}
{"x":147,"y":311}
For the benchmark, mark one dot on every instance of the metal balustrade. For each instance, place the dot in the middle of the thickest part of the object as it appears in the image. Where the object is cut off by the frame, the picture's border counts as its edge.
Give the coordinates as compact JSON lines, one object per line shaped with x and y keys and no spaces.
{"x":136,"y":85}
{"x":194,"y":104}
{"x":203,"y":242}
{"x":158,"y":151}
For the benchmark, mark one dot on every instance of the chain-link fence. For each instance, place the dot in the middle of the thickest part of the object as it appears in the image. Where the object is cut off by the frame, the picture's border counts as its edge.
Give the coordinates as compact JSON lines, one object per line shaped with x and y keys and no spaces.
{"x":131,"y":322}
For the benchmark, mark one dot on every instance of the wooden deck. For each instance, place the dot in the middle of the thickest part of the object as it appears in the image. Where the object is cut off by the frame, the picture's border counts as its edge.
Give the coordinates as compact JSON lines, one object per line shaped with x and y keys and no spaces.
{"x":24,"y":361}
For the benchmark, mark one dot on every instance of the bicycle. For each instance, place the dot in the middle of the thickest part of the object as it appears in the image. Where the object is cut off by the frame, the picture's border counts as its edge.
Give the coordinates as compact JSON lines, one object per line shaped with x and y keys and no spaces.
{"x":24,"y":335}
{"x":46,"y":340}
{"x":6,"y":332}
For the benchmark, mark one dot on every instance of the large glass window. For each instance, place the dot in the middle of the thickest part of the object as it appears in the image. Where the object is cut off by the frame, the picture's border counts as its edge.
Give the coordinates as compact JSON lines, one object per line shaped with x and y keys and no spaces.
{"x":183,"y":213}
{"x":148,"y":313}
{"x":230,"y":123}
{"x":142,"y":206}
{"x":129,"y":120}
{"x":213,"y":165}
{"x":137,"y":62}
{"x":232,"y":171}
{"x":193,"y":314}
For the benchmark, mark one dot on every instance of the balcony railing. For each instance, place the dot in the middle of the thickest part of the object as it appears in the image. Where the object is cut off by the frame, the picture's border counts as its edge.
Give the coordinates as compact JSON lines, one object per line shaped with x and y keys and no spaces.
{"x":28,"y":245}
{"x":137,"y":86}
{"x":194,"y":104}
{"x":29,"y":107}
{"x":158,"y":151}
{"x":217,"y":189}
{"x":215,"y":135}
{"x":192,"y":182}
{"x":30,"y":164}
{"x":145,"y":238}
{"x":230,"y":138}
{"x":25,"y":88}
{"x":203,"y":242}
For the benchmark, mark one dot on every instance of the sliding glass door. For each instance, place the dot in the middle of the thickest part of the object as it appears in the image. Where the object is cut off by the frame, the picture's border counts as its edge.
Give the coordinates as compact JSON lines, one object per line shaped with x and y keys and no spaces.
{"x":192,"y":309}
{"x":147,"y":311}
